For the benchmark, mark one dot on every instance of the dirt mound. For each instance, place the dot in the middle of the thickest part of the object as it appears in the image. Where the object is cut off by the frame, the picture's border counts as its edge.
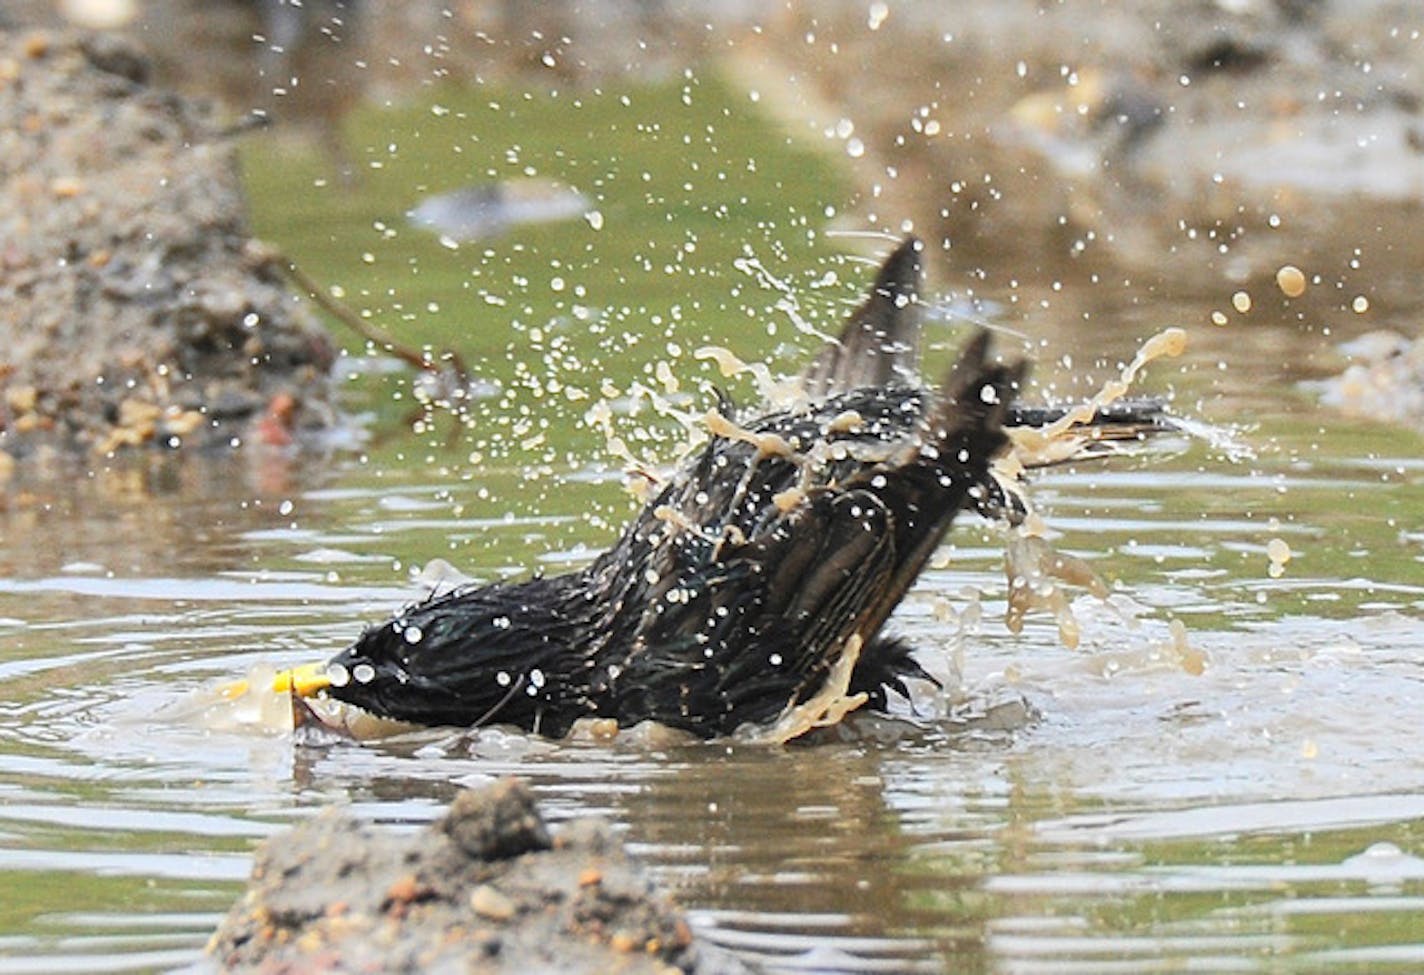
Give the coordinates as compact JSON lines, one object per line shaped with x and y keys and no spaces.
{"x":485,"y":889}
{"x":134,"y":306}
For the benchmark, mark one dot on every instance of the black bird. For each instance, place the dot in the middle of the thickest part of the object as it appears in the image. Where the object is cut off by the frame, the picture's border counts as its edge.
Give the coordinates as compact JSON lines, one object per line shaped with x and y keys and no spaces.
{"x":751,"y":591}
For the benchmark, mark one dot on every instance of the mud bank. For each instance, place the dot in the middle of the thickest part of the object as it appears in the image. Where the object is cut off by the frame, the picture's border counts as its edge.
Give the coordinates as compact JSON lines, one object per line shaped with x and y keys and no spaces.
{"x":1185,"y":143}
{"x":134,"y":306}
{"x":487,"y":888}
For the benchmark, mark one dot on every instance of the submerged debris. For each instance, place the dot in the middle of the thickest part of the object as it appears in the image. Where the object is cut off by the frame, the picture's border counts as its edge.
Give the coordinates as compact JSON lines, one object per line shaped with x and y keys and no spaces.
{"x":480,"y":212}
{"x":486,"y":888}
{"x":137,"y":309}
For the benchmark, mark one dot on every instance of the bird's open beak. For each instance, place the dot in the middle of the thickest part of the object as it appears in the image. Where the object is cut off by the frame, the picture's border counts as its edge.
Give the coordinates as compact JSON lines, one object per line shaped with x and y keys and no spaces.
{"x":308,"y":680}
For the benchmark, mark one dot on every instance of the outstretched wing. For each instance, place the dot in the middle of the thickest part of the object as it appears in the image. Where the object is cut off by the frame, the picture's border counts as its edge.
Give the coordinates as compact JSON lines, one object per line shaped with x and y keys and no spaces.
{"x":749,"y":612}
{"x":880,"y":342}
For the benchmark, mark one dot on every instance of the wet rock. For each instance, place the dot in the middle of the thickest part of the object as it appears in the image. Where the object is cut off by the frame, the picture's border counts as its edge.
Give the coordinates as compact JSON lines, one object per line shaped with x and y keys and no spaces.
{"x":484,"y":889}
{"x":496,"y":823}
{"x":1383,"y":381}
{"x":132,"y":298}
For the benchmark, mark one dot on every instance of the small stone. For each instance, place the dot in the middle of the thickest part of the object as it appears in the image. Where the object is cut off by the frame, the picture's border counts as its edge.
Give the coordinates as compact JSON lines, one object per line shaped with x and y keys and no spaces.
{"x":66,"y":187}
{"x":403,"y":890}
{"x":29,"y":423}
{"x":490,"y":903}
{"x":22,"y":399}
{"x":496,"y":823}
{"x":116,"y":56}
{"x":590,"y":876}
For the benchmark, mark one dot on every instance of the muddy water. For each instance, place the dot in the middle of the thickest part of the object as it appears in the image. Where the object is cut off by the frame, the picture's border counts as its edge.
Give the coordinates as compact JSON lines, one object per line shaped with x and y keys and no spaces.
{"x":1265,"y":813}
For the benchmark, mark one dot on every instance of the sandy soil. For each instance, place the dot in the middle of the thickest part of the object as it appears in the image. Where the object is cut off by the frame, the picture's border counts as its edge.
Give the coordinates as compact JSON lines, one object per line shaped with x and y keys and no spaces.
{"x":487,"y":888}
{"x":134,"y":307}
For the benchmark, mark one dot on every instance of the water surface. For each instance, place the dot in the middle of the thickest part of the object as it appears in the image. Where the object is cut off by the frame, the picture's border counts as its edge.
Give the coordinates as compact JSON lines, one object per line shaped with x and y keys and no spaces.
{"x":1264,"y":814}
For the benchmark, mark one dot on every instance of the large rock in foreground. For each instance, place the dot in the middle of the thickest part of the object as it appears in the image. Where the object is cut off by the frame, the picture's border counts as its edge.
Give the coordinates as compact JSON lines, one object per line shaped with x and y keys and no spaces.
{"x":485,"y":889}
{"x":134,"y":307}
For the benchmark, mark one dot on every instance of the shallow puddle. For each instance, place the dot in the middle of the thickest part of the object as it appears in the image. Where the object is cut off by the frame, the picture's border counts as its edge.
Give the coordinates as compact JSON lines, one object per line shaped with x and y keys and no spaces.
{"x":1264,"y":813}
{"x":1110,"y":809}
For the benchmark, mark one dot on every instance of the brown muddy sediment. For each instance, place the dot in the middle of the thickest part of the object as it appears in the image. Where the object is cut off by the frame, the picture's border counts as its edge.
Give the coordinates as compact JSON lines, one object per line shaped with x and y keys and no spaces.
{"x":134,"y":306}
{"x":1187,"y":144}
{"x":486,"y":888}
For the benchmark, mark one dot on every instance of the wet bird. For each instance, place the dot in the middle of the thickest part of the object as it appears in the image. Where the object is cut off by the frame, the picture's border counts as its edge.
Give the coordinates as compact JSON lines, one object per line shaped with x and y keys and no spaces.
{"x":751,"y":591}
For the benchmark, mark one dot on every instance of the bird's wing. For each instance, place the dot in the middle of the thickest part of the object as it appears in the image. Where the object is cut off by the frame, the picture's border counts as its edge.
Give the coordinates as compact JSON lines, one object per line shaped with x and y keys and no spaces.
{"x":880,"y":341}
{"x":735,"y":634}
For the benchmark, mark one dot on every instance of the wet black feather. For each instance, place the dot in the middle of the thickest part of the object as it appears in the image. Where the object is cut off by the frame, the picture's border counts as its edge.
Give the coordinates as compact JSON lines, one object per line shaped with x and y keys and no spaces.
{"x":734,"y":592}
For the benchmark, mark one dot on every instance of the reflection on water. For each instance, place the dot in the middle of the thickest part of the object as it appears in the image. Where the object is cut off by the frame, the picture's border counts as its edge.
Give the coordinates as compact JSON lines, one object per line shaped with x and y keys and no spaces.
{"x":1270,"y":808}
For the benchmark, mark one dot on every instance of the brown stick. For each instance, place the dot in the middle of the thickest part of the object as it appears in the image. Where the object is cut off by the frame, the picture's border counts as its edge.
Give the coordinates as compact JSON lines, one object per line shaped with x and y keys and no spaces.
{"x":343,"y":313}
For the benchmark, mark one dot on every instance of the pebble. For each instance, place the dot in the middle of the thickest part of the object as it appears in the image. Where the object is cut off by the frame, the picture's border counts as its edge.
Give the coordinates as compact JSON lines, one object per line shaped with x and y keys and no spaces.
{"x":490,"y":903}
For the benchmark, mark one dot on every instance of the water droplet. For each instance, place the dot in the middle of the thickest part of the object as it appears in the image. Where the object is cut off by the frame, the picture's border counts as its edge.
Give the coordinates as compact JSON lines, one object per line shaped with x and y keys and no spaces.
{"x":1291,"y":280}
{"x":363,"y":673}
{"x":413,"y":634}
{"x":338,"y":675}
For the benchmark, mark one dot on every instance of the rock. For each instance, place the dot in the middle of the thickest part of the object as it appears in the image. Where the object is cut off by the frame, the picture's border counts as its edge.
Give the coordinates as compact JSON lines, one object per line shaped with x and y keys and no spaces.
{"x":125,"y":270}
{"x":497,"y":822}
{"x":1384,"y":380}
{"x":483,"y":889}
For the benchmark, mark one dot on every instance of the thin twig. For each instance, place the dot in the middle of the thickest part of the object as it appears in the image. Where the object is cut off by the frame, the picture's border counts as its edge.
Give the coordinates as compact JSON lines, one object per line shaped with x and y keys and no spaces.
{"x":448,"y":358}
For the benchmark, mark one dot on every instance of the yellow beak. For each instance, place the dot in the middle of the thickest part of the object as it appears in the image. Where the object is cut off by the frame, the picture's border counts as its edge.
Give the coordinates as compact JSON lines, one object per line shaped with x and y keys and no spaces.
{"x":305,"y":681}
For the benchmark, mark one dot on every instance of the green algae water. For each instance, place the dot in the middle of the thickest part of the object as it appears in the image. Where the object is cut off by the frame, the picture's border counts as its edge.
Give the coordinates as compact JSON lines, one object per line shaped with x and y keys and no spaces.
{"x":1129,"y":814}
